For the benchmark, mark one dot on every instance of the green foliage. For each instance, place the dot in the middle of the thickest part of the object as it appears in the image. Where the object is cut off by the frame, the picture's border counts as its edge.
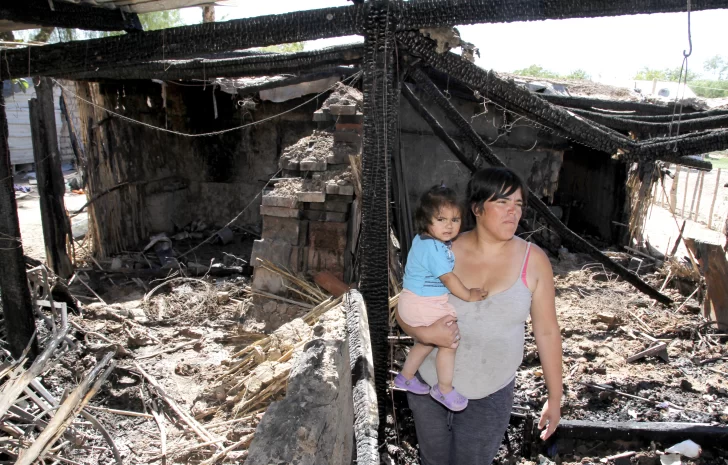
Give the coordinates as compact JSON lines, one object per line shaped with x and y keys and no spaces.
{"x":671,"y":75}
{"x":160,"y":20}
{"x":539,"y":71}
{"x":284,"y":48}
{"x":709,"y":89}
{"x":579,"y":74}
{"x":536,"y":71}
{"x":22,"y":83}
{"x":718,"y":66}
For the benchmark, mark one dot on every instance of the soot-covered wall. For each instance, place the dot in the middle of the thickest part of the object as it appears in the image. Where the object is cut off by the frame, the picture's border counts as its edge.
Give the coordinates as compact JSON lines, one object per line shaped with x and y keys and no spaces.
{"x":174,"y":179}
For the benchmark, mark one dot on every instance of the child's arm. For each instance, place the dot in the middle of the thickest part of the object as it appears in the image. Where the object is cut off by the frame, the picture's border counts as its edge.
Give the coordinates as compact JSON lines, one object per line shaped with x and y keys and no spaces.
{"x":458,"y":289}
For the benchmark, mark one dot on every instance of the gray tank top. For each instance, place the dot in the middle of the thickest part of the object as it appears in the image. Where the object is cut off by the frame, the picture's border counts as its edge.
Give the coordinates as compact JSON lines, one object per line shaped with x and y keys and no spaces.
{"x":492,"y":338}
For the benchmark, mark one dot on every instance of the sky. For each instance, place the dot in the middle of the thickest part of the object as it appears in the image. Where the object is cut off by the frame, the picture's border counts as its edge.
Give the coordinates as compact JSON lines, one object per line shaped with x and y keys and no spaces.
{"x":611,"y":50}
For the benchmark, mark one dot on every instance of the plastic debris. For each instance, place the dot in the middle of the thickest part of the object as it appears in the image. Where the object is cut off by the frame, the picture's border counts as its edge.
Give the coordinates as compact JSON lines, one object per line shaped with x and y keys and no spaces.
{"x":687,"y":448}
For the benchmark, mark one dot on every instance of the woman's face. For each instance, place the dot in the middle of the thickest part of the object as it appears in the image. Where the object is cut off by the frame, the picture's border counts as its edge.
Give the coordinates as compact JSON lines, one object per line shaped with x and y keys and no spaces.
{"x":500,"y":217}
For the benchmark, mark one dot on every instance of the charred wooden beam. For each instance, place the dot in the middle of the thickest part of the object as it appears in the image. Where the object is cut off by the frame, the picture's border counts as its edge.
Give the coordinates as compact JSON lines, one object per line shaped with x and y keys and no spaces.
{"x":69,"y":15}
{"x":188,"y":41}
{"x":664,"y":432}
{"x":380,"y":107}
{"x":17,"y":306}
{"x":434,"y":13}
{"x":664,"y":118}
{"x":51,"y":186}
{"x":184,"y":42}
{"x":587,"y":103}
{"x":519,"y":100}
{"x":256,"y":65}
{"x":341,"y":71}
{"x":659,"y":128}
{"x":572,"y":239}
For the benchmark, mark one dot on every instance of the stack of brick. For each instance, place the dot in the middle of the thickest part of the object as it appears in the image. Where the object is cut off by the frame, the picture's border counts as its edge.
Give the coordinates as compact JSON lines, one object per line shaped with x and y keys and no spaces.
{"x":306,"y":215}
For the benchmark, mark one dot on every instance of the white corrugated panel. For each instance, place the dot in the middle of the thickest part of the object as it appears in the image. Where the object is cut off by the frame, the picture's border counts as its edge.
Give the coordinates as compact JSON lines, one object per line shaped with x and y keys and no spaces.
{"x":16,"y":109}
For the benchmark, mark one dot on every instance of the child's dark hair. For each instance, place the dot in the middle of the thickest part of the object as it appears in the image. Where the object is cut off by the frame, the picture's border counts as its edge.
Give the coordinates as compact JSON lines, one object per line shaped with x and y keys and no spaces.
{"x":491,"y":184}
{"x":430,"y":204}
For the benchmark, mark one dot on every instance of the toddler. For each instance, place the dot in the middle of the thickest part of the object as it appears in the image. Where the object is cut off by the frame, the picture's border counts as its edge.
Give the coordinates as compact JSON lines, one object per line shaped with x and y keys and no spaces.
{"x":428,"y":278}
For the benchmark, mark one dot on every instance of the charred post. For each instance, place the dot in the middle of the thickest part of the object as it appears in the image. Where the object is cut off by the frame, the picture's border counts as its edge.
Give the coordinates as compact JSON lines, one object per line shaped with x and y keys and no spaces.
{"x":17,"y":306}
{"x":380,"y":116}
{"x":51,"y":188}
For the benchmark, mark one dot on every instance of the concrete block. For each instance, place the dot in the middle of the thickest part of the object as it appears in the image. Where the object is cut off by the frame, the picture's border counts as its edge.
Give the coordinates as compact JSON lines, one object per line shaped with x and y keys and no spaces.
{"x":328,"y":236}
{"x":342,"y":109}
{"x":265,"y":280}
{"x":356,"y":127}
{"x":358,"y":118}
{"x":319,"y":215}
{"x":291,"y":230}
{"x":297,"y":262}
{"x":329,"y":206}
{"x":311,"y":196}
{"x":278,"y":252}
{"x":322,"y":115}
{"x":289,"y":164}
{"x":312,"y":165}
{"x":338,"y":189}
{"x":314,"y":423}
{"x":347,"y":136}
{"x":329,"y":260}
{"x":282,"y":212}
{"x":280,"y":201}
{"x":340,"y":198}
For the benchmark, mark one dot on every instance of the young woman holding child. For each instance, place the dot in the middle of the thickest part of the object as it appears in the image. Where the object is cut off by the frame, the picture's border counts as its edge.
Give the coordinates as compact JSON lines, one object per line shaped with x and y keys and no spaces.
{"x":518,"y":280}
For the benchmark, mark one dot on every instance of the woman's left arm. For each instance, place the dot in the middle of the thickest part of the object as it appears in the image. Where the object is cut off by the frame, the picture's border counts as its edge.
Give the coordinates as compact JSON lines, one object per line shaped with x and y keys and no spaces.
{"x":548,"y":339}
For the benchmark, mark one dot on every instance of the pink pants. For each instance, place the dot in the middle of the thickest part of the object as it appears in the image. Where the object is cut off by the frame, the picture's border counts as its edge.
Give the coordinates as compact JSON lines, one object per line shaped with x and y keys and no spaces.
{"x":416,"y":310}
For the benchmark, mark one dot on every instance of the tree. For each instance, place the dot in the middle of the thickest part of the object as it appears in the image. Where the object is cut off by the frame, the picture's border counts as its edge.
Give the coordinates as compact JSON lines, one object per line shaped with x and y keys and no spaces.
{"x":579,"y":74}
{"x":667,"y":74}
{"x":717,"y":66}
{"x":284,"y":48}
{"x":536,"y":71}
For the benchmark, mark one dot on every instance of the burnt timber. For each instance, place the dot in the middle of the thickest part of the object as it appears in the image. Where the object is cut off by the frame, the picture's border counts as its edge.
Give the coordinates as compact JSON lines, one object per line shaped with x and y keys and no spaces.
{"x":189,"y":41}
{"x":69,"y":15}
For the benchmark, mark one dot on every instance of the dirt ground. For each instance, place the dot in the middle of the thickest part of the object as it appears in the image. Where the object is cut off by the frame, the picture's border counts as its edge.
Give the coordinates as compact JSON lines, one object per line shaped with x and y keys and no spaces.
{"x":603,"y":321}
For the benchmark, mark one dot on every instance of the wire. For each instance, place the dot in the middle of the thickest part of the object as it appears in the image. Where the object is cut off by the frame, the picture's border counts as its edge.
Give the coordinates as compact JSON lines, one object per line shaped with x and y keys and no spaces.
{"x":207,"y":134}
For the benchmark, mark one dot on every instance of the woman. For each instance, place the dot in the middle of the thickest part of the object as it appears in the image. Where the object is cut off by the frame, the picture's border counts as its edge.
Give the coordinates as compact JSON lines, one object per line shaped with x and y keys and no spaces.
{"x":490,"y":333}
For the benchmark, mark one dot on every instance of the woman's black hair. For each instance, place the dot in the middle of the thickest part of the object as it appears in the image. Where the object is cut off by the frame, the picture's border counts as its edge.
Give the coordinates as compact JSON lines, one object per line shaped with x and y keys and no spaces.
{"x":491,"y":184}
{"x":430,"y":204}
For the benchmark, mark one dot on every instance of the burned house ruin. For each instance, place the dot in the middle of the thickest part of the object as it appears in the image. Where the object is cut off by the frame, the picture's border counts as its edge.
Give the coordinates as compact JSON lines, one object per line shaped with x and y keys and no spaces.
{"x":317,"y":156}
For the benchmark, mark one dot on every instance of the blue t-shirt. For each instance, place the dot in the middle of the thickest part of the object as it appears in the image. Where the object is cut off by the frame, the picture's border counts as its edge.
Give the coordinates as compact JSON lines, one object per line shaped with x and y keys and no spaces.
{"x":428,"y":259}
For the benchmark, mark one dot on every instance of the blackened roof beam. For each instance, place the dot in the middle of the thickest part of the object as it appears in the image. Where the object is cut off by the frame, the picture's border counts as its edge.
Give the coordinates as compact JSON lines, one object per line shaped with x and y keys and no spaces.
{"x":266,"y":64}
{"x":68,"y":15}
{"x":190,"y":41}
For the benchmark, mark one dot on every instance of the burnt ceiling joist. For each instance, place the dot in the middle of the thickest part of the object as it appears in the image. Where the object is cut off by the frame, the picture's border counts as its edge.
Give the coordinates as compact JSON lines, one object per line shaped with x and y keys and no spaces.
{"x":586,"y":132}
{"x":256,"y":65}
{"x":189,"y":41}
{"x":656,"y":128}
{"x":585,"y":103}
{"x":68,"y":15}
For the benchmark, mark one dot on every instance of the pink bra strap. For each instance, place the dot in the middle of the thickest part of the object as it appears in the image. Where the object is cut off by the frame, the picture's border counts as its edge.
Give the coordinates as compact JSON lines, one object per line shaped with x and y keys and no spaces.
{"x":525,"y":265}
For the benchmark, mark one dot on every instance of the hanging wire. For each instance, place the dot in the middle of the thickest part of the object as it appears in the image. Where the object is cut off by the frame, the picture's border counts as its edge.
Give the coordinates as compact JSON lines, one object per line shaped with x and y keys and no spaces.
{"x":684,"y":81}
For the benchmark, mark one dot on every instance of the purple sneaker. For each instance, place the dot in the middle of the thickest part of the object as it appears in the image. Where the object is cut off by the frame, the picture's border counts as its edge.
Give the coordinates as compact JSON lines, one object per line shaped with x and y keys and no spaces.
{"x":414,"y":385}
{"x":453,"y":400}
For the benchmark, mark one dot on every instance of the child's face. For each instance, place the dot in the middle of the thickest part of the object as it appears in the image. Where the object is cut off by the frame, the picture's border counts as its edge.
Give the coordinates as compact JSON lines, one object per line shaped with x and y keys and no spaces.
{"x":446,"y":224}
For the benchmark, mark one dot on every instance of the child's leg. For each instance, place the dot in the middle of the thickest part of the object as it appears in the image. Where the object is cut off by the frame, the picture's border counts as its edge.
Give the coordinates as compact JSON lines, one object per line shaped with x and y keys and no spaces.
{"x":417,"y":354}
{"x":445,"y":364}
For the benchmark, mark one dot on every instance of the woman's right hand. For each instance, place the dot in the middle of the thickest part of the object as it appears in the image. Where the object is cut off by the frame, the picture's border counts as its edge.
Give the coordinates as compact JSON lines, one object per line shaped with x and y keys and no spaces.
{"x":443,"y":333}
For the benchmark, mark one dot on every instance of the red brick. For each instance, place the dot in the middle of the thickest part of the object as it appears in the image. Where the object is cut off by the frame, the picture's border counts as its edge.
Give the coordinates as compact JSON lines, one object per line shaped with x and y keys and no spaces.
{"x":326,"y":260}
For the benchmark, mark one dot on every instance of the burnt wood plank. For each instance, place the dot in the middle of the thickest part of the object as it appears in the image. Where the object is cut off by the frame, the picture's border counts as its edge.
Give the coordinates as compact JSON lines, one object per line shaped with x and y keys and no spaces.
{"x":69,"y":15}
